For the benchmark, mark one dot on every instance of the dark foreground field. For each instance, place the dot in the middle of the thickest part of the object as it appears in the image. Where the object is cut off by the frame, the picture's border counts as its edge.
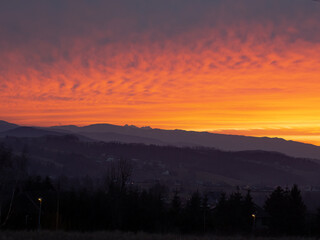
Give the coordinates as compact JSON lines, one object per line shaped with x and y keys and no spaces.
{"x":46,"y":235}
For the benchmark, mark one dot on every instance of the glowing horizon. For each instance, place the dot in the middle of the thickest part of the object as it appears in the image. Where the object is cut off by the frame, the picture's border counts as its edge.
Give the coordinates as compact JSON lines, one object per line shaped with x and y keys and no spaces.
{"x":243,"y":68}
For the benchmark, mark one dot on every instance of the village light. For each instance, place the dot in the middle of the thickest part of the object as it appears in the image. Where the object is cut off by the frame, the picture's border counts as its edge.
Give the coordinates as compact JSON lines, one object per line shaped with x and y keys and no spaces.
{"x":39,"y":219}
{"x":254,"y":222}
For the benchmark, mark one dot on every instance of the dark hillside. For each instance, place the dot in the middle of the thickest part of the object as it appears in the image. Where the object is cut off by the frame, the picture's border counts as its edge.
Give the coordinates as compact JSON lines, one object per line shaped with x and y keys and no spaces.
{"x":55,"y":155}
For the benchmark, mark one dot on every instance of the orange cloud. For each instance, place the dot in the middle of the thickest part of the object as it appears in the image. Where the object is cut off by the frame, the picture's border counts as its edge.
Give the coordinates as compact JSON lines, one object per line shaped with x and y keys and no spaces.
{"x":236,"y":75}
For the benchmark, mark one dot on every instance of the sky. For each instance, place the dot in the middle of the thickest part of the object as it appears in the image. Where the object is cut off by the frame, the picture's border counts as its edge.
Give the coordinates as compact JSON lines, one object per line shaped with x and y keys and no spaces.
{"x":238,"y":67}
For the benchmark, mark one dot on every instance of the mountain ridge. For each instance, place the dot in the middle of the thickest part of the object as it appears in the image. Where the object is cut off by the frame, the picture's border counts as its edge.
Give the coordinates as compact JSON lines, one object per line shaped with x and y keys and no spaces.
{"x":146,"y":135}
{"x":207,"y":139}
{"x":4,"y":126}
{"x":66,"y":155}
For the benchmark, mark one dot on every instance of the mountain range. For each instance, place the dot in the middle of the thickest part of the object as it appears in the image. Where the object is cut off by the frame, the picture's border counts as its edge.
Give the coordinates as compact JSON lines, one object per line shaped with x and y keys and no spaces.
{"x":147,"y":135}
{"x":168,"y":155}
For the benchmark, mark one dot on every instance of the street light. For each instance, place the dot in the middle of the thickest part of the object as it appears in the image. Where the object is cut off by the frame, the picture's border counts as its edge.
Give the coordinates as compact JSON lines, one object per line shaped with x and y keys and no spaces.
{"x":254,"y":221}
{"x":39,"y":219}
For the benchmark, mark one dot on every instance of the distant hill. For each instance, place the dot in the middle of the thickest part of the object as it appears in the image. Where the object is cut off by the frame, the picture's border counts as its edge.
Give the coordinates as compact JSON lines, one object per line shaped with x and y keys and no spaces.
{"x":28,"y":132}
{"x":192,"y":167}
{"x":190,"y":138}
{"x":123,"y":138}
{"x":5,"y":126}
{"x":34,"y":132}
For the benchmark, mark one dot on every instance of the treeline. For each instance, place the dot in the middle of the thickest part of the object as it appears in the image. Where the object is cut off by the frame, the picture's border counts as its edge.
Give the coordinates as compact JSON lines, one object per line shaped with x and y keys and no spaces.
{"x":33,"y":202}
{"x":130,"y":209}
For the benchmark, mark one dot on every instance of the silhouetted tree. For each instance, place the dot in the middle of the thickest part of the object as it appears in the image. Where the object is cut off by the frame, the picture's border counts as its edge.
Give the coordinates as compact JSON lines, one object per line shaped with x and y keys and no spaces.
{"x":287,"y":211}
{"x":248,"y":211}
{"x":297,"y":211}
{"x":193,"y":216}
{"x":220,"y":215}
{"x":234,"y":214}
{"x":276,"y":207}
{"x":12,"y":173}
{"x":119,"y":173}
{"x":175,"y":212}
{"x":207,"y":219}
{"x":317,"y":222}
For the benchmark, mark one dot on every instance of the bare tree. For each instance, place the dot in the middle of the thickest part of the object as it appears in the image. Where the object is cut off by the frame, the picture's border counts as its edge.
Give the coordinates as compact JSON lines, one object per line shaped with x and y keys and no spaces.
{"x":118,"y":173}
{"x":13,"y":169}
{"x":6,"y":179}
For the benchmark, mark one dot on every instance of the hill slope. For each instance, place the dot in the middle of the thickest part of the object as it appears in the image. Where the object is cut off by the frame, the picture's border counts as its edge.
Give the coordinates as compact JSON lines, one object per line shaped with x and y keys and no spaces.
{"x":191,"y":138}
{"x":28,"y":132}
{"x":67,"y":155}
{"x":5,"y":126}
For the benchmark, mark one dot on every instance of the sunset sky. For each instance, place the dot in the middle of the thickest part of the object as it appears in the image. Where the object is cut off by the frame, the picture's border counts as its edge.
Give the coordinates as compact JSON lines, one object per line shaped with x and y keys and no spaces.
{"x":249,"y":67}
